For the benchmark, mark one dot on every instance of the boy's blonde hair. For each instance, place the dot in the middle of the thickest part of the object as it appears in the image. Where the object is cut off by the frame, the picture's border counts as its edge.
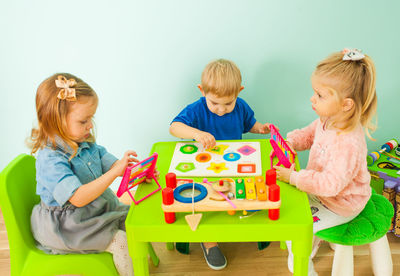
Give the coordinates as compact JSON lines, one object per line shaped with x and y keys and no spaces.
{"x":356,"y":80}
{"x":52,"y":112}
{"x":221,"y":77}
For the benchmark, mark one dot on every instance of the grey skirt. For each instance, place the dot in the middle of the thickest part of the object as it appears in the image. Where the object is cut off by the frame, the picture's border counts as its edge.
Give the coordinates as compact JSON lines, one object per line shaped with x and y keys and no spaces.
{"x":87,"y":229}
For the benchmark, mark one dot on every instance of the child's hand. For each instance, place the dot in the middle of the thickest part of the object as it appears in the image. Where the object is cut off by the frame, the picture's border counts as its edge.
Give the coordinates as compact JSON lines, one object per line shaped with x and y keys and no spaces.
{"x":120,"y":165}
{"x":264,"y":129}
{"x":205,"y":138}
{"x":156,"y":175}
{"x":283,"y":174}
{"x":290,"y":146}
{"x":261,"y":128}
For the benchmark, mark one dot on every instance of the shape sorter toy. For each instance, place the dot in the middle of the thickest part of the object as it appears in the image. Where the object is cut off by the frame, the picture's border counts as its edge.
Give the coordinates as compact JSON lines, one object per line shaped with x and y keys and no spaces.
{"x":384,"y":167}
{"x":224,"y":194}
{"x":234,"y":159}
{"x":136,"y":174}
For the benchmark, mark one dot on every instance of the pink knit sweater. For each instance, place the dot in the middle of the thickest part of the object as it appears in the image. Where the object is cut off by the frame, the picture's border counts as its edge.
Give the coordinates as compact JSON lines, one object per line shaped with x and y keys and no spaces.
{"x":337,"y":168}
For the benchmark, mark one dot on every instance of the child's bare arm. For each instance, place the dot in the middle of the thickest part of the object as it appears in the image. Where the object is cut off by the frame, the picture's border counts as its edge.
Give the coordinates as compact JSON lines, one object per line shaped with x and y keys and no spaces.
{"x":181,"y":130}
{"x":92,"y":190}
{"x":260,"y":128}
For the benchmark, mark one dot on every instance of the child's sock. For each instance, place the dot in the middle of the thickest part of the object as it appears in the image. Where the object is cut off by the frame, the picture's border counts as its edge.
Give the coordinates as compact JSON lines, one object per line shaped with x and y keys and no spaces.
{"x":119,"y":249}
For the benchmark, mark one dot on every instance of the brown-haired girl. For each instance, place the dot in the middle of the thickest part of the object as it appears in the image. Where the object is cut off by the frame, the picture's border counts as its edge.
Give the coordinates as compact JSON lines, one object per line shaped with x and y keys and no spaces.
{"x":77,"y":212}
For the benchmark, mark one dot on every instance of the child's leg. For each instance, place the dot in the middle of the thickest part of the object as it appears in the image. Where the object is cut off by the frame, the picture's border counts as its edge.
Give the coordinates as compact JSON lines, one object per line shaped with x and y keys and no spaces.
{"x":119,"y":249}
{"x":323,"y":219}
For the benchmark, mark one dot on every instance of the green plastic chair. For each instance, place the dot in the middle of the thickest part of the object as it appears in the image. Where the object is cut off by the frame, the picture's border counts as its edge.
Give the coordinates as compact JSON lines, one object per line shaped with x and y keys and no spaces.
{"x":17,"y":198}
{"x":369,"y":227}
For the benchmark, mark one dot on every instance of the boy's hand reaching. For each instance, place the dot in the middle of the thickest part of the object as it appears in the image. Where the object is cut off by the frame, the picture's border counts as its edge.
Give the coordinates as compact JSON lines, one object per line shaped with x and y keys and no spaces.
{"x":205,"y":138}
{"x":261,"y":128}
{"x":283,"y":174}
{"x":264,"y":129}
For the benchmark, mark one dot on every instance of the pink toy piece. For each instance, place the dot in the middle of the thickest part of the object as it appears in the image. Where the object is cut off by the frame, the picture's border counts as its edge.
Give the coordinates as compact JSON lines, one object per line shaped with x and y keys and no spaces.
{"x":246,"y":150}
{"x":281,"y":149}
{"x":136,"y":174}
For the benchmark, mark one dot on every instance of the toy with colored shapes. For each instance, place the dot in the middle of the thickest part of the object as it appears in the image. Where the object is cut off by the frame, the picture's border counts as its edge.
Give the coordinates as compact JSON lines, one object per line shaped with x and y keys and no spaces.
{"x":198,"y":197}
{"x":246,"y":168}
{"x":203,"y":157}
{"x":232,"y":156}
{"x":281,"y":149}
{"x":250,"y":188}
{"x":218,"y":149}
{"x":240,"y":189}
{"x":226,"y":159}
{"x":217,"y":167}
{"x":386,"y":148}
{"x":136,"y":174}
{"x":261,"y":188}
{"x":385,"y":179}
{"x":188,"y":149}
{"x":223,"y":185}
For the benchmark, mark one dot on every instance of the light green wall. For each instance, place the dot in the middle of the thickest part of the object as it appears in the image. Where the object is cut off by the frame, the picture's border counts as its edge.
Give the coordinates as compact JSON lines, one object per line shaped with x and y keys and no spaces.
{"x":144,"y":59}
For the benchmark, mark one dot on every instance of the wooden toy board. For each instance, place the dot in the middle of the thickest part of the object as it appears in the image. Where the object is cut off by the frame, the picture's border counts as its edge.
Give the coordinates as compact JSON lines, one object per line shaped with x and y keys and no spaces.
{"x":214,"y":202}
{"x":234,"y":159}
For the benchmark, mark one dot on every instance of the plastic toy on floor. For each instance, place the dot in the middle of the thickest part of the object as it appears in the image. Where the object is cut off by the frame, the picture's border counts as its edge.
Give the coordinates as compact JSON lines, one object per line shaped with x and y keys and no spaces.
{"x":136,"y":174}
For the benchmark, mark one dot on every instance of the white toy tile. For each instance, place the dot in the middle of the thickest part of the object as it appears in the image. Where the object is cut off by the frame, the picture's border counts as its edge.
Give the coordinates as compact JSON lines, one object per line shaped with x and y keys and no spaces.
{"x":232,"y":159}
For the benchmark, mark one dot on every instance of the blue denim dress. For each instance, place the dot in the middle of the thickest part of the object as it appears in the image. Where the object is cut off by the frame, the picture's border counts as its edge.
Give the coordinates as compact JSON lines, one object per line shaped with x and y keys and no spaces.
{"x":57,"y":225}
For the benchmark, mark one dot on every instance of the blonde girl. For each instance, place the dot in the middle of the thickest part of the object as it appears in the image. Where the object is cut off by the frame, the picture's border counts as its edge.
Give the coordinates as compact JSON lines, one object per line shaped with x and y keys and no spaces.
{"x":336,"y":177}
{"x":77,"y":213}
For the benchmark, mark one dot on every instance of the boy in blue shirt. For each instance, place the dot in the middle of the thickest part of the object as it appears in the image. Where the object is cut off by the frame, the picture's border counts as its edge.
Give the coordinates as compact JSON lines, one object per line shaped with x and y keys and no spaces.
{"x":219,"y":115}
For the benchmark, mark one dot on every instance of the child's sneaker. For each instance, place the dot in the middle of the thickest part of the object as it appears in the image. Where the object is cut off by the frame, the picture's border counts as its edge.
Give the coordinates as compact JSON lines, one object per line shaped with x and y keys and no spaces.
{"x":214,"y":257}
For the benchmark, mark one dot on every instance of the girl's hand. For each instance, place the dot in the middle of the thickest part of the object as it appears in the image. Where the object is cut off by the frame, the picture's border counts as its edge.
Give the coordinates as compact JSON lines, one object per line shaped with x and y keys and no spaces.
{"x":156,"y":175}
{"x":283,"y":174}
{"x":205,"y":138}
{"x":120,"y":165}
{"x":290,"y":146}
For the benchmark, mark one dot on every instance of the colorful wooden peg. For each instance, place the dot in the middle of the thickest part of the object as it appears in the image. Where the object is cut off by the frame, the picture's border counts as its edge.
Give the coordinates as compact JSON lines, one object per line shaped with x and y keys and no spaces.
{"x":170,"y":180}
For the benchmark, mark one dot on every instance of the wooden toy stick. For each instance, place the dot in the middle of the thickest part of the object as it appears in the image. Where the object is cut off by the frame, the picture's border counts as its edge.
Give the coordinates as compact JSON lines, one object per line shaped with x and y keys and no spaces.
{"x":221,"y":194}
{"x":390,"y":155}
{"x":194,"y":219}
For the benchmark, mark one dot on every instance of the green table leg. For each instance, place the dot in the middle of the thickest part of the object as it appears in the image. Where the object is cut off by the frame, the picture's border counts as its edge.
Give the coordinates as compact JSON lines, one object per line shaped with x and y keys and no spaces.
{"x":301,"y":252}
{"x":170,"y":245}
{"x":138,"y":252}
{"x":282,"y":245}
{"x":153,"y":255}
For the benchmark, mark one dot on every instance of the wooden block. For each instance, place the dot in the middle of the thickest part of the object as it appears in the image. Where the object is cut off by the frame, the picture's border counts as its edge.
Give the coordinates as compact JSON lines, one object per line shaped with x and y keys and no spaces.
{"x":193,"y":220}
{"x":397,"y":222}
{"x":250,"y":188}
{"x":398,"y":198}
{"x":240,"y":189}
{"x":389,"y":193}
{"x":261,"y":188}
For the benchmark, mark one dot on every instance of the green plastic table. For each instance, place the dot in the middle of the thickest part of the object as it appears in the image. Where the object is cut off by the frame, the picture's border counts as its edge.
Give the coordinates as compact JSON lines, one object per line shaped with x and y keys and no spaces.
{"x":145,"y":221}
